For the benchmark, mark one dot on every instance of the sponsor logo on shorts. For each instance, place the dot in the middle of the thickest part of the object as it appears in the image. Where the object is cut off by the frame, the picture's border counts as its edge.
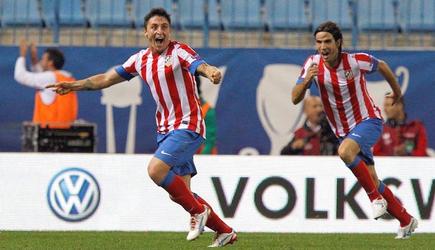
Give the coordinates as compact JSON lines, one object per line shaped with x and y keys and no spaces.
{"x":356,"y":135}
{"x":165,"y":153}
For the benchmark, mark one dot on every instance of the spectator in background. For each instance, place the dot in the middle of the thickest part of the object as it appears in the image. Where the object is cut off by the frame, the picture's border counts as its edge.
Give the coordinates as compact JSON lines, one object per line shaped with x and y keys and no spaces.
{"x":50,"y":109}
{"x":400,"y":137}
{"x":209,"y":114}
{"x":315,"y":137}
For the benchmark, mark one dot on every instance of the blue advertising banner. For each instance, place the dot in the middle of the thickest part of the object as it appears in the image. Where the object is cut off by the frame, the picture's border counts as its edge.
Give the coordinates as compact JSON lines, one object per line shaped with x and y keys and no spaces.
{"x":253,"y":104}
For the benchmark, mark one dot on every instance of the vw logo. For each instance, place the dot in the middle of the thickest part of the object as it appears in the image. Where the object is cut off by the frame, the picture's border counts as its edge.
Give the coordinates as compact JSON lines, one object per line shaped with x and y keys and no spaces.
{"x":73,"y":194}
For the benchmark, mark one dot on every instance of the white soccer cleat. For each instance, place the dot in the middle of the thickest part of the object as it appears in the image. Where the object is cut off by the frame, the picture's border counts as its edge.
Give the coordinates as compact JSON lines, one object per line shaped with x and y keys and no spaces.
{"x":379,"y":207}
{"x":406,"y":231}
{"x":197,"y":224}
{"x":224,"y":239}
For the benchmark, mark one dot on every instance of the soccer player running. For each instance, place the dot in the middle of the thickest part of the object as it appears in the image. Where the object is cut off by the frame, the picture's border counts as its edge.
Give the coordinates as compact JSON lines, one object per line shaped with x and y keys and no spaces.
{"x":352,"y":115}
{"x":168,"y":67}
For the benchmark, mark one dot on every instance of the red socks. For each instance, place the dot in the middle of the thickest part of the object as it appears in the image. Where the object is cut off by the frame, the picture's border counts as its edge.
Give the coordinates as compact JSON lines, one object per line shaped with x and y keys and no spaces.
{"x":192,"y":203}
{"x":214,"y":222}
{"x":394,"y":207}
{"x":361,"y":172}
{"x":176,"y":187}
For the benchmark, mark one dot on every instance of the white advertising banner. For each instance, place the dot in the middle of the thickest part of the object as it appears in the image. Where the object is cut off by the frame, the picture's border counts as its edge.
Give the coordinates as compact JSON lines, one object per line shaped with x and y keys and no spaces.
{"x":251,"y":193}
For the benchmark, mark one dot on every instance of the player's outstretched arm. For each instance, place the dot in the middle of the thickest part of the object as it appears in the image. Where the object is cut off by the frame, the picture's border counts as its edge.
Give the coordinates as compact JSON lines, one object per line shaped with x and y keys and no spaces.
{"x":95,"y":82}
{"x":389,"y":76}
{"x":211,"y":72}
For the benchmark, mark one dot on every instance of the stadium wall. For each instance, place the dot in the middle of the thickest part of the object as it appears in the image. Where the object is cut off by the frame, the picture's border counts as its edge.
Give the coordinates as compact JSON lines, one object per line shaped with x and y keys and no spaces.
{"x":252,"y":193}
{"x":256,"y":89}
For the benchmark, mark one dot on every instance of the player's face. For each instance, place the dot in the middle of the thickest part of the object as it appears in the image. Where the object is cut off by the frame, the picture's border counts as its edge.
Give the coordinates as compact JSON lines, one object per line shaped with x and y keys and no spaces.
{"x":313,"y":109}
{"x":158,"y":33}
{"x":327,"y":47}
{"x":392,"y":111}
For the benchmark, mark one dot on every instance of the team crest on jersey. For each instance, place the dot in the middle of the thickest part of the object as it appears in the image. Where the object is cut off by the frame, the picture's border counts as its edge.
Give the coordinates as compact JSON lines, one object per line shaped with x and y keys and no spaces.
{"x":168,"y":60}
{"x":348,"y":74}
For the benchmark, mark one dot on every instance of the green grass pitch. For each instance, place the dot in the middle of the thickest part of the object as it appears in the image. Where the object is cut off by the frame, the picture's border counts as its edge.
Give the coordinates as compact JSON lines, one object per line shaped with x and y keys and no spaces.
{"x":175,"y":241}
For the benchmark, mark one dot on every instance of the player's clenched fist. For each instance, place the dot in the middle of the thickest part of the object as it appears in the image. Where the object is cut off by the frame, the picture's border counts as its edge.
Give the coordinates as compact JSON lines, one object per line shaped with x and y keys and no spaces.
{"x":214,"y":75}
{"x":211,"y":72}
{"x":312,"y":71}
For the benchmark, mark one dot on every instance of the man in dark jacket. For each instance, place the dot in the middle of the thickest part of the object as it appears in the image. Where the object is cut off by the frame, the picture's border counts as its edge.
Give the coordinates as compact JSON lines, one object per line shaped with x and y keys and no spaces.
{"x":400,"y":137}
{"x":315,"y":137}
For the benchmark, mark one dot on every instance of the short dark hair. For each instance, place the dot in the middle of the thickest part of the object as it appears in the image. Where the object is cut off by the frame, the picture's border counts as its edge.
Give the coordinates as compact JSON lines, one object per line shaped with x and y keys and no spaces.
{"x":156,"y":12}
{"x":56,"y":56}
{"x":331,"y":28}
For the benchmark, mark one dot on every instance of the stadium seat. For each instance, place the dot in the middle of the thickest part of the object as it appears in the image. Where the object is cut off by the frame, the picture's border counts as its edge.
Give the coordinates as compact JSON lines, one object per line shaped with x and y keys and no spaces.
{"x":377,"y":15}
{"x":22,"y":13}
{"x":241,"y":14}
{"x":286,"y":15}
{"x":213,"y":14}
{"x":331,"y":10}
{"x":71,"y":13}
{"x":420,"y":16}
{"x":192,"y":14}
{"x":108,"y":13}
{"x":142,"y":7}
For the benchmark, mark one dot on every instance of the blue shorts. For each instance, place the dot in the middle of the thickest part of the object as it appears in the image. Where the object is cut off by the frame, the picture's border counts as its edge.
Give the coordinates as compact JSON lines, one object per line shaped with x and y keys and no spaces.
{"x":366,"y":134}
{"x":177,"y":148}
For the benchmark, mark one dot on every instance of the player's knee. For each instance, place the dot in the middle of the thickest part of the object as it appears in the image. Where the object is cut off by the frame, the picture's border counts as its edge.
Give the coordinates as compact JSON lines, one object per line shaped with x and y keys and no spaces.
{"x":153,"y":172}
{"x":157,"y":171}
{"x":345,"y":154}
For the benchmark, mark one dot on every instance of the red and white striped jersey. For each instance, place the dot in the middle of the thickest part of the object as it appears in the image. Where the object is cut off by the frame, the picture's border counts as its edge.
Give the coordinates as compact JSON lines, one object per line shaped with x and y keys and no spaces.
{"x":343,"y":90}
{"x":170,"y":77}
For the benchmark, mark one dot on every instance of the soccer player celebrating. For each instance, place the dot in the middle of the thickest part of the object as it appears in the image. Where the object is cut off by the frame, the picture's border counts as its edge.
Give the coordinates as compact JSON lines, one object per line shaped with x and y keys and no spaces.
{"x":352,"y":115}
{"x":168,"y":67}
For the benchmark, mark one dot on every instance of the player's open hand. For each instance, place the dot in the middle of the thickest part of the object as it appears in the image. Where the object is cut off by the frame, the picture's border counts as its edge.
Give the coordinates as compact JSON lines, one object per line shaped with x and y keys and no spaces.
{"x":62,"y":88}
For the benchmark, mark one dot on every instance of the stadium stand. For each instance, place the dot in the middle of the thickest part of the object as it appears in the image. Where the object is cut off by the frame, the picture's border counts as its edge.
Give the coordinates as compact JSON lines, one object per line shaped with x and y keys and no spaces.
{"x":420,"y":16}
{"x":141,"y":8}
{"x":280,"y":23}
{"x":379,"y":15}
{"x":241,"y":15}
{"x":108,"y":13}
{"x":335,"y":10}
{"x":22,"y":13}
{"x":189,"y":19}
{"x":73,"y":13}
{"x":288,"y":15}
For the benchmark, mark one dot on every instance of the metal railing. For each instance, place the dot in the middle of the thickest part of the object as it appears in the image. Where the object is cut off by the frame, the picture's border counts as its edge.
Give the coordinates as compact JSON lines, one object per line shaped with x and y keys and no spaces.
{"x":220,"y":23}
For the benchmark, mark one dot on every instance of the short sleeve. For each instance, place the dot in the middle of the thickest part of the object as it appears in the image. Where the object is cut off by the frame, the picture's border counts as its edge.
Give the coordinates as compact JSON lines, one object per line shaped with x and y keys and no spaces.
{"x":190,"y":60}
{"x":128,"y":69}
{"x":304,"y":70}
{"x":367,"y":63}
